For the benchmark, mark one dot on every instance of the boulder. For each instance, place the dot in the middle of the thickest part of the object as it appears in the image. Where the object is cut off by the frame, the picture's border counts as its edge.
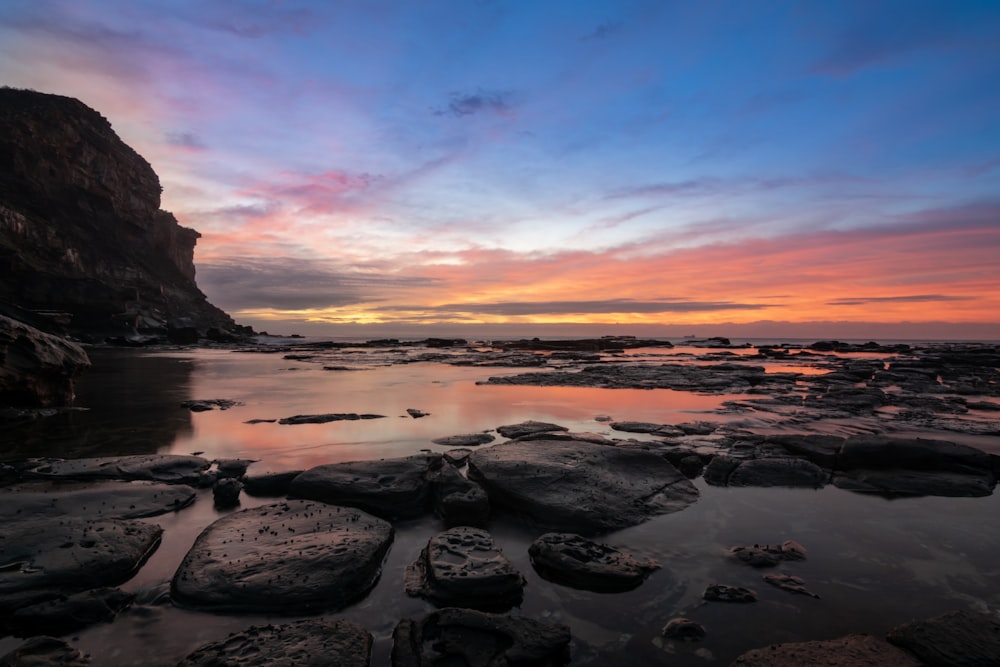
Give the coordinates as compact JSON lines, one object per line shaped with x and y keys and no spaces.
{"x":683,"y":629}
{"x":44,"y":652}
{"x":466,"y":440}
{"x":462,"y":567}
{"x":783,"y":471}
{"x":168,"y":468}
{"x":226,"y":493}
{"x":768,"y":555}
{"x":458,"y":501}
{"x":957,"y":639}
{"x":515,"y":431}
{"x":820,"y":449}
{"x":269,"y":483}
{"x":573,"y":560}
{"x":69,"y":613}
{"x":477,"y":639}
{"x":390,"y":488}
{"x":724,"y":593}
{"x":900,"y":482}
{"x":94,"y":500}
{"x":851,"y":651}
{"x":874,"y":451}
{"x":580,"y":487}
{"x":309,"y":643}
{"x":790,"y":583}
{"x":293,"y":557}
{"x":37,"y":369}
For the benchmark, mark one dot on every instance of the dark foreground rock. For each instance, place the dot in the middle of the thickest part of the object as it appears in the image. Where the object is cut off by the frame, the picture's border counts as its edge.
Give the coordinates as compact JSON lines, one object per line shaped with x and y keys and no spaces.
{"x":956,"y":639}
{"x":465,"y":440}
{"x":46,"y":558}
{"x":269,"y":483}
{"x":291,"y":557}
{"x":850,"y":651}
{"x":328,"y":417}
{"x":69,"y":613}
{"x":683,"y":629}
{"x":462,"y":567}
{"x":37,"y":369}
{"x":390,"y":488}
{"x":573,"y":560}
{"x":107,"y":500}
{"x":476,"y":639}
{"x":778,"y":471}
{"x":724,"y":593}
{"x":515,"y":431}
{"x":458,"y":501}
{"x":44,"y":652}
{"x":580,"y":487}
{"x":790,"y":583}
{"x":309,"y":643}
{"x":768,"y":555}
{"x":167,"y":468}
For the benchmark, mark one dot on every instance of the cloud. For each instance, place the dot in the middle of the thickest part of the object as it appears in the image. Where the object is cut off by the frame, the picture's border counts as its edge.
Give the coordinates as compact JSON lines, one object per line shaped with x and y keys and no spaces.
{"x":467,"y":104}
{"x":603,"y":31}
{"x":678,"y":188}
{"x":325,"y":192}
{"x":905,"y":298}
{"x":604,"y":306}
{"x":188,"y":140}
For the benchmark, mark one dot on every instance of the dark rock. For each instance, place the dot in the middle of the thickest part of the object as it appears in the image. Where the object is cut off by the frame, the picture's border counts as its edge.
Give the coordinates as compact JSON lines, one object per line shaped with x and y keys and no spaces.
{"x":572,"y":560}
{"x":226,"y":493}
{"x":168,"y":468}
{"x":703,"y":379}
{"x":515,"y":431}
{"x":416,"y":414}
{"x":909,"y":483}
{"x":206,"y":404}
{"x":956,"y":639}
{"x":719,"y":469}
{"x":93,"y":500}
{"x":261,"y":421}
{"x":778,"y":472}
{"x":70,"y":613}
{"x":467,"y":440}
{"x":724,"y":593}
{"x":873,"y":451}
{"x":683,"y":629}
{"x":234,"y":468}
{"x":476,"y":639}
{"x":37,"y":369}
{"x":269,"y":484}
{"x":44,"y":652}
{"x":820,"y":449}
{"x":389,"y":488}
{"x":647,"y":427}
{"x":790,"y":583}
{"x":768,"y":555}
{"x":45,"y":558}
{"x":580,"y":487}
{"x":186,"y":335}
{"x":690,"y":466}
{"x":462,"y":567}
{"x":698,"y":428}
{"x":293,"y":557}
{"x":329,"y":417}
{"x":309,"y":643}
{"x":457,"y":500}
{"x":457,"y":457}
{"x":850,"y":651}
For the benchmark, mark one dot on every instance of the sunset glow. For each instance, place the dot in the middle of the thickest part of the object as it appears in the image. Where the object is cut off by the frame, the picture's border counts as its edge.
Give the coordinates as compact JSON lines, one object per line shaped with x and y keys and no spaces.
{"x":770,"y":168}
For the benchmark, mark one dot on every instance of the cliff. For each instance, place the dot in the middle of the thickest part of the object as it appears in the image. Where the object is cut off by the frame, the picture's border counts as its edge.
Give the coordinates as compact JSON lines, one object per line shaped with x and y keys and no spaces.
{"x":81,"y":230}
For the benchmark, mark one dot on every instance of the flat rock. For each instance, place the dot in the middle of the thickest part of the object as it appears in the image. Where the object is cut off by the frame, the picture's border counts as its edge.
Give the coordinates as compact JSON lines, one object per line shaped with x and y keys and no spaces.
{"x":874,"y":451}
{"x":44,"y":652}
{"x":724,"y":593}
{"x":956,"y":639}
{"x":269,"y":483}
{"x":783,"y":471}
{"x":290,"y":557}
{"x":457,"y":457}
{"x":575,"y":561}
{"x":44,"y":558}
{"x":168,"y":468}
{"x":579,"y":487}
{"x":900,"y":482}
{"x":820,"y":449}
{"x":514,"y":431}
{"x":390,"y":488}
{"x":457,"y":500}
{"x":309,"y":643}
{"x":69,"y":613}
{"x":790,"y":583}
{"x":851,"y":651}
{"x":327,"y":417}
{"x":466,"y":440}
{"x":647,"y":427}
{"x":462,"y":567}
{"x":108,"y":500}
{"x":768,"y":555}
{"x":206,"y":404}
{"x":477,"y":639}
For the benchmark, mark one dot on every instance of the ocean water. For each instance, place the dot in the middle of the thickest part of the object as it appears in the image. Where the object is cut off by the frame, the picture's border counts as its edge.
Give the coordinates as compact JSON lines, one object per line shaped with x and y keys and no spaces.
{"x":874,"y":562}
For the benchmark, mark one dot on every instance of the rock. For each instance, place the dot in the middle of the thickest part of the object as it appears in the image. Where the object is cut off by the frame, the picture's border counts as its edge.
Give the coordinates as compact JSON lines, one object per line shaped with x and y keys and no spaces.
{"x":462,"y":567}
{"x":702,"y":379}
{"x":572,"y":560}
{"x":70,"y":613}
{"x":329,"y":417}
{"x":457,"y":457}
{"x":647,"y":427}
{"x":850,"y":651}
{"x":204,"y":405}
{"x":458,"y":501}
{"x":309,"y":643}
{"x":45,"y":558}
{"x":820,"y":449}
{"x":724,"y":593}
{"x":234,"y":468}
{"x":93,"y":500}
{"x":908,"y":483}
{"x":467,"y":440}
{"x":789,"y":583}
{"x":389,"y":488}
{"x":719,"y":469}
{"x":37,"y":369}
{"x":45,"y":652}
{"x":956,"y":639}
{"x":269,"y":483}
{"x":226,"y":493}
{"x":416,"y":414}
{"x":515,"y":431}
{"x":580,"y":487}
{"x":168,"y":468}
{"x":782,"y":471}
{"x":873,"y":451}
{"x":477,"y":639}
{"x":690,"y":466}
{"x":769,"y":555}
{"x":683,"y":629}
{"x":294,"y":557}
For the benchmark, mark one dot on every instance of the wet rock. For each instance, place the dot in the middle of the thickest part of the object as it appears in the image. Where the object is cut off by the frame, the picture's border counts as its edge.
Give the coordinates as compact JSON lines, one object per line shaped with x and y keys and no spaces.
{"x":874,"y":451}
{"x":204,"y":405}
{"x":389,"y":488}
{"x":580,"y":487}
{"x":309,"y":643}
{"x":698,"y":428}
{"x":790,"y":583}
{"x":573,"y":560}
{"x":719,"y":469}
{"x":706,"y":379}
{"x":457,"y":457}
{"x":457,"y":500}
{"x":665,"y":430}
{"x":690,"y":466}
{"x":467,"y":440}
{"x":515,"y":431}
{"x":683,"y":629}
{"x":235,"y":468}
{"x":37,"y":369}
{"x":462,"y":567}
{"x":45,"y":558}
{"x":69,"y":613}
{"x":107,"y":500}
{"x":269,"y":484}
{"x":45,"y":652}
{"x":724,"y":593}
{"x":768,"y":555}
{"x":328,"y":417}
{"x":168,"y":468}
{"x":908,"y":483}
{"x":292,"y":557}
{"x":820,"y":449}
{"x":416,"y":414}
{"x":850,"y":651}
{"x":477,"y":639}
{"x":783,"y":471}
{"x":226,"y":493}
{"x":956,"y":639}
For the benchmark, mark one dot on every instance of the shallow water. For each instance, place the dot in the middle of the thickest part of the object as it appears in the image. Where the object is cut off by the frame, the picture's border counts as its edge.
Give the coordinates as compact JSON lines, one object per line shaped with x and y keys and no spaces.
{"x":874,"y":562}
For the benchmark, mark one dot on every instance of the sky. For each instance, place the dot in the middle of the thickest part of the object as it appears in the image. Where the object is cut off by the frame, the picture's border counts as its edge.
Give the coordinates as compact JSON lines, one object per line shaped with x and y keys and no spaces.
{"x":649,"y":167}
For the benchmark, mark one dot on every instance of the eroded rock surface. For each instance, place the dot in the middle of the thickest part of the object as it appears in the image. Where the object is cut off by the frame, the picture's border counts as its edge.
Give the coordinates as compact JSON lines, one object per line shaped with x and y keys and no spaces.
{"x":790,"y":583}
{"x":69,"y":613}
{"x":45,"y":652}
{"x":37,"y":369}
{"x":515,"y":431}
{"x":167,"y":468}
{"x":724,"y":593}
{"x":327,"y":417}
{"x":573,"y":560}
{"x":108,"y":500}
{"x":291,"y":557}
{"x":850,"y":651}
{"x":768,"y":555}
{"x":466,"y":440}
{"x":956,"y":639}
{"x":457,"y":500}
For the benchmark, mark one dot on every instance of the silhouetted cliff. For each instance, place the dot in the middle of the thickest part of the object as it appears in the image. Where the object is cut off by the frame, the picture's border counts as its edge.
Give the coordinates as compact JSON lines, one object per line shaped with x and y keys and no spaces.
{"x":81,"y":230}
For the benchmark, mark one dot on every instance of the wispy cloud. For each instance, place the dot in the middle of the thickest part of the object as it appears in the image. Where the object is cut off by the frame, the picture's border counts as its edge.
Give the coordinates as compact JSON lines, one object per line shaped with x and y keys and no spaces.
{"x":602,"y":31}
{"x":467,"y":104}
{"x":903,"y":298}
{"x":583,"y":308}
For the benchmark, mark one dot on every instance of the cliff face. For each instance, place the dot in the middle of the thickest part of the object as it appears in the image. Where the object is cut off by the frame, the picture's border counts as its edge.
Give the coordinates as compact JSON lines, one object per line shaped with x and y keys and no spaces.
{"x":81,"y":230}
